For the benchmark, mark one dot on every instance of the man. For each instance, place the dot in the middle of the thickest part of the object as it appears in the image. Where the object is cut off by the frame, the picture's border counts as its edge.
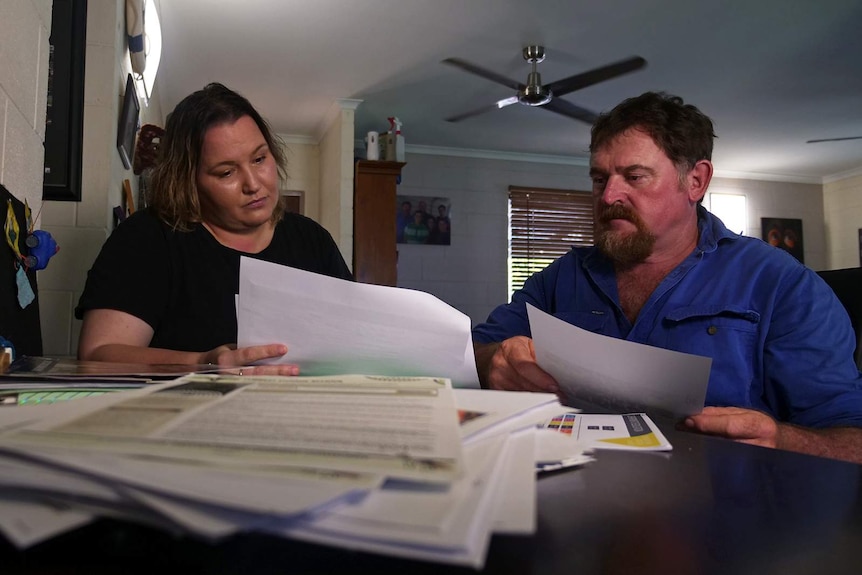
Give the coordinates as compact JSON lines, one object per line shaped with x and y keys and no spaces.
{"x":441,"y":213}
{"x":416,"y":232}
{"x":402,"y":220}
{"x":667,"y":273}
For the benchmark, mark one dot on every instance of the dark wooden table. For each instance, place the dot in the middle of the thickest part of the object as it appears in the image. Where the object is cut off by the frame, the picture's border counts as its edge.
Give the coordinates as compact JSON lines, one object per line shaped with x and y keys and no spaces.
{"x":710,"y":506}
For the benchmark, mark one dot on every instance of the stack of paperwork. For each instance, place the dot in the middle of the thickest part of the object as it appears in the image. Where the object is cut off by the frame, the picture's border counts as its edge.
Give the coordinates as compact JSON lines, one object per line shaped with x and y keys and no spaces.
{"x":400,"y":466}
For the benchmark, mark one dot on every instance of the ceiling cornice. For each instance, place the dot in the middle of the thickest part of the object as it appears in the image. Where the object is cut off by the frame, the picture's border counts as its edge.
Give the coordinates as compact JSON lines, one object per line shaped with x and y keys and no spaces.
{"x":584,"y":162}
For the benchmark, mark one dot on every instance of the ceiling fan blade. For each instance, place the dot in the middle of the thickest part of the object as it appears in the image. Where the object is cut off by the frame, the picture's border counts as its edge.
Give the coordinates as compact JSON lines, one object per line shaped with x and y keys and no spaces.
{"x":568,"y":109}
{"x":578,"y":81}
{"x":834,"y":139}
{"x":487,"y":74}
{"x":495,"y":106}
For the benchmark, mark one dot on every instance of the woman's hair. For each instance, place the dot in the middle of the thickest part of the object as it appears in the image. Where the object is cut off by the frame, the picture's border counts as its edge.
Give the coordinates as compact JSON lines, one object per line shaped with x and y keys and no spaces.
{"x":173,"y":184}
{"x":682,"y":131}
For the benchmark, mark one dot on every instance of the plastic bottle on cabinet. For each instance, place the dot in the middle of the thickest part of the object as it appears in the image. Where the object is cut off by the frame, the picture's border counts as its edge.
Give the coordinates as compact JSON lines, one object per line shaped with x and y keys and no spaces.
{"x":397,"y":139}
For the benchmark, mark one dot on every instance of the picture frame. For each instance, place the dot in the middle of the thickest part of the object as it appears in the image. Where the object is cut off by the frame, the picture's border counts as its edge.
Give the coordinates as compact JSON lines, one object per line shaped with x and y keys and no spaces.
{"x":785,"y":234}
{"x":430,"y":215}
{"x":64,"y":118}
{"x":128,"y":126}
{"x":294,"y":201}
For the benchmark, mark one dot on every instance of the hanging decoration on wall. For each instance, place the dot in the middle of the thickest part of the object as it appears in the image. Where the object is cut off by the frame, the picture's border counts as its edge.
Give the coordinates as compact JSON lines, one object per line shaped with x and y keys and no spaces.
{"x":13,"y":233}
{"x":135,"y":34}
{"x":19,"y":320}
{"x":40,"y":247}
{"x":147,"y":147}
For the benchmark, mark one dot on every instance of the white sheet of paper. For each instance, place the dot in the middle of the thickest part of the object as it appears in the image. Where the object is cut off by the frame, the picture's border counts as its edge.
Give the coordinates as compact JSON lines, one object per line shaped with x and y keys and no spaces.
{"x":464,"y":540}
{"x":515,"y":508}
{"x":489,"y":410}
{"x":419,"y":513}
{"x":612,"y":374}
{"x":25,"y":523}
{"x":332,"y":326}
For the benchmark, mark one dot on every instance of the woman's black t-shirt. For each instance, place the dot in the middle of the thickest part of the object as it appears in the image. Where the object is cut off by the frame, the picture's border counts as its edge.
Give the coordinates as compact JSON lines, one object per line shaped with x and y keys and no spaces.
{"x":184,"y":284}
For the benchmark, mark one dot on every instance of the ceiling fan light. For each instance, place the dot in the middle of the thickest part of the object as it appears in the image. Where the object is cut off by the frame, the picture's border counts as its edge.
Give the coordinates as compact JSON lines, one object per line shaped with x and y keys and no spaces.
{"x":535,"y":96}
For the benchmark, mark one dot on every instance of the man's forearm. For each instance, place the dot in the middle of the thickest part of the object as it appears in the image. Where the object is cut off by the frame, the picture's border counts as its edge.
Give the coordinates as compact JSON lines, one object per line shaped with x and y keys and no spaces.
{"x":837,"y":442}
{"x":484,"y":352}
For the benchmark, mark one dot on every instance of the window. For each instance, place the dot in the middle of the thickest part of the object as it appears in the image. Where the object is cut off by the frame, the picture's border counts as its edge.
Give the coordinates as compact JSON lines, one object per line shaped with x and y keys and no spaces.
{"x":730,"y":209}
{"x":543,"y":225}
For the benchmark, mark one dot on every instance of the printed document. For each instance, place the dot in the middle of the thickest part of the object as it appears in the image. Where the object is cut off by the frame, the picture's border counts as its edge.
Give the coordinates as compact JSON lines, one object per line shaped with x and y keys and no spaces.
{"x":393,"y":427}
{"x":597,"y":372}
{"x":630,"y":431}
{"x":333,"y":326}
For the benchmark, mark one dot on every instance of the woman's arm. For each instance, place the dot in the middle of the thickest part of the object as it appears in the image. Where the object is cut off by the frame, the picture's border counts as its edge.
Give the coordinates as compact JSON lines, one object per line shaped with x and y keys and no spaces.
{"x":112,"y":335}
{"x":116,"y":336}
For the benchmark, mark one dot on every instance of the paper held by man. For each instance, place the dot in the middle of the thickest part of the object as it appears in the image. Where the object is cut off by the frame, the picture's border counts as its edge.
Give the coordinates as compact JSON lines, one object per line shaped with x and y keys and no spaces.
{"x":597,"y":372}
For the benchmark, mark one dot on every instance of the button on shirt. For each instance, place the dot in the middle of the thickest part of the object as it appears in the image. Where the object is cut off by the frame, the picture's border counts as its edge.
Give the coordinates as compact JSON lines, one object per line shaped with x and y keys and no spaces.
{"x":780,"y":340}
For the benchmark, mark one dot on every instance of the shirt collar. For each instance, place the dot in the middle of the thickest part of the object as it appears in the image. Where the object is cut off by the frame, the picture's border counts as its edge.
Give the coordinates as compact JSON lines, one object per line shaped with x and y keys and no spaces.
{"x":712,"y":230}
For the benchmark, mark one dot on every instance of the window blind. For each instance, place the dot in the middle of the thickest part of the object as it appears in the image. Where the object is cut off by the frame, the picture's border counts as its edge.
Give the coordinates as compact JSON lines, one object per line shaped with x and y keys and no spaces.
{"x":544,"y":224}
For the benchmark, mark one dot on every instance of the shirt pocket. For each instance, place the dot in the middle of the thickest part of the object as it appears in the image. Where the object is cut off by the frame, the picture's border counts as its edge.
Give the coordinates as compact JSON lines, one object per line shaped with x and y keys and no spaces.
{"x":594,"y":321}
{"x":727,"y":334}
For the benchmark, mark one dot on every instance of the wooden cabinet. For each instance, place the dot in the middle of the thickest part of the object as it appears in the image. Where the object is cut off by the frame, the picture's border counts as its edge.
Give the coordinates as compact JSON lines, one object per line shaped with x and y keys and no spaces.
{"x":375,"y":256}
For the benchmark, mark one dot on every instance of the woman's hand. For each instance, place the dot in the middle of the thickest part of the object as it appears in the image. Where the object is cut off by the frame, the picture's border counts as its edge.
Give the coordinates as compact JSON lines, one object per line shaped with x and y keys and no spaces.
{"x":243,"y":357}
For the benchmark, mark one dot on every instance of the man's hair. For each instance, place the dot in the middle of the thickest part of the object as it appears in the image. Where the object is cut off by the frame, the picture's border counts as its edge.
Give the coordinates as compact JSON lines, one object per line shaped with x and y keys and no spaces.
{"x":173,"y":184}
{"x":683,"y":132}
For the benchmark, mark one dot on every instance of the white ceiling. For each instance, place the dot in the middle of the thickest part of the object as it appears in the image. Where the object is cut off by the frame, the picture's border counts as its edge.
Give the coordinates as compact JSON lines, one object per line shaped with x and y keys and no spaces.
{"x":770,"y":73}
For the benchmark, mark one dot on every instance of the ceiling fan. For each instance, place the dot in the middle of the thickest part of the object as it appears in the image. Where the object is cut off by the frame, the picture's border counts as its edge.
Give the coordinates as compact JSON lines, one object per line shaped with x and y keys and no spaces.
{"x":834,"y":139}
{"x":534,"y":93}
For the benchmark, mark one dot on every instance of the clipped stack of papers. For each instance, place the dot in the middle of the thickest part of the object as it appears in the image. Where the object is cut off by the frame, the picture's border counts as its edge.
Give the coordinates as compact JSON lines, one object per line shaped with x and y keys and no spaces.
{"x":402,"y":466}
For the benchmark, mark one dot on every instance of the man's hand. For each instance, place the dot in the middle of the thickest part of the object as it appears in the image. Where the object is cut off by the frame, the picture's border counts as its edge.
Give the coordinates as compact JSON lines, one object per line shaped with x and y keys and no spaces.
{"x":743,"y":425}
{"x":757,"y":428}
{"x":511,"y":366}
{"x":231,"y":356}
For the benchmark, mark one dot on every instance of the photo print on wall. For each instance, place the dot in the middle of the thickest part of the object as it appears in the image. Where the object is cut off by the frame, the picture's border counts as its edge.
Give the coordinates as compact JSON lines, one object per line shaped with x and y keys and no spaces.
{"x":784,"y":233}
{"x":423,"y":220}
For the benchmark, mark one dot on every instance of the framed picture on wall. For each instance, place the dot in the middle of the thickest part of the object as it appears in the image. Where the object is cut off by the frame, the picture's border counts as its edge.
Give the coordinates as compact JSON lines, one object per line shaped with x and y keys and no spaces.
{"x":64,"y":120}
{"x":784,"y":233}
{"x":128,"y":126}
{"x":423,"y":220}
{"x":294,"y":201}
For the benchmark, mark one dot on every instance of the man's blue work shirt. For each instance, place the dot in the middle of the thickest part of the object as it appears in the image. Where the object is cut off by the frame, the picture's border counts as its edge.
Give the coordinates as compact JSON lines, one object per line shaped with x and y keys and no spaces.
{"x":780,"y":340}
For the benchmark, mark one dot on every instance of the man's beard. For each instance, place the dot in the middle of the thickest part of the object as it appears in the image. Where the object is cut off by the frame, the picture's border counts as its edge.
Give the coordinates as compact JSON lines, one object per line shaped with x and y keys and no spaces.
{"x":625,"y":249}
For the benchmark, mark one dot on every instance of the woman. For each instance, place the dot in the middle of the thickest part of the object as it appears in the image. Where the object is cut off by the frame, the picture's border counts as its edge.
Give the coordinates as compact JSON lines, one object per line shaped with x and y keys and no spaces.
{"x":163,"y":287}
